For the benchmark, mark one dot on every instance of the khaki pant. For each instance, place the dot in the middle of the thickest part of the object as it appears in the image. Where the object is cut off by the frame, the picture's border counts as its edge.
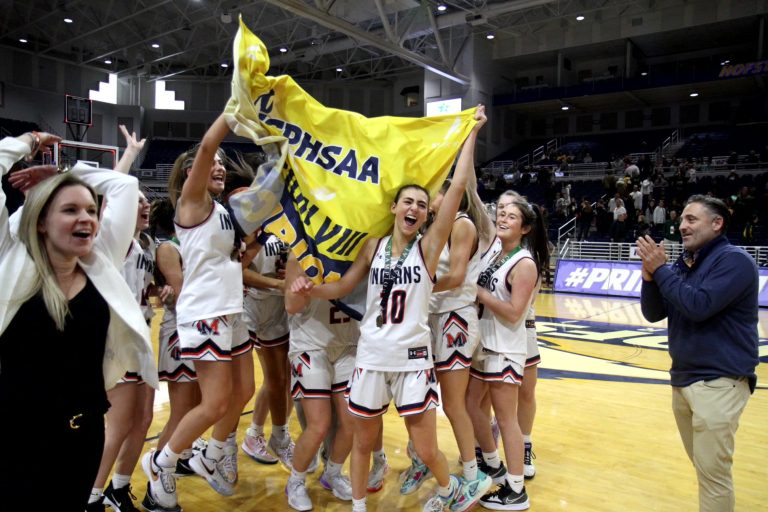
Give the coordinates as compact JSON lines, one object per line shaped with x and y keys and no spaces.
{"x":707,"y":415}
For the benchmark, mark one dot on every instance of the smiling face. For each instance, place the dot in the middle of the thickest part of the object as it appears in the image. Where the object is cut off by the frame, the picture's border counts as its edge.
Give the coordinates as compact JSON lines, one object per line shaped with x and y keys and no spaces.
{"x":699,"y":226}
{"x":142,"y":216}
{"x":410,"y":210}
{"x":509,"y":224}
{"x":70,"y":223}
{"x":218,"y":173}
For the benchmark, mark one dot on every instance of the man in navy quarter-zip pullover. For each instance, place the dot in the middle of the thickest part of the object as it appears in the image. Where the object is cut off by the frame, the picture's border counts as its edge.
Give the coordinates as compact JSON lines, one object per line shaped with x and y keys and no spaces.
{"x":709,"y":296}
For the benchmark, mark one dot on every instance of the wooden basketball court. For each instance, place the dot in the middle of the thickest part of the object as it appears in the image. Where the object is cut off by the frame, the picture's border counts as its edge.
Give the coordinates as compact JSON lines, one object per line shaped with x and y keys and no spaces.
{"x":605,"y":437}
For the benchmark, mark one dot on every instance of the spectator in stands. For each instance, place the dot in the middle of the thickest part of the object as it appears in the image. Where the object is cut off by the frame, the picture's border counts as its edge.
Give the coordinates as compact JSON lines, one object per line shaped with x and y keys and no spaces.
{"x":619,"y":232}
{"x":587,"y":158}
{"x":733,"y":159}
{"x":750,"y":231}
{"x":672,"y":229}
{"x":603,"y":218}
{"x":631,"y":170}
{"x":646,"y":187}
{"x":752,"y":158}
{"x":612,"y":202}
{"x":609,"y":183}
{"x":646,"y":167}
{"x":642,"y":228}
{"x":710,"y":300}
{"x":560,"y":207}
{"x":619,"y":210}
{"x":660,"y":214}
{"x":659,"y":185}
{"x":584,"y":219}
{"x":649,"y":211}
{"x":637,"y":198}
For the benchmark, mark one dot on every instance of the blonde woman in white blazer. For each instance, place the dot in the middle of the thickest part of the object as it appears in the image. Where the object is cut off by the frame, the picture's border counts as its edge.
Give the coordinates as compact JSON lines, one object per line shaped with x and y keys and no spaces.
{"x":69,"y":325}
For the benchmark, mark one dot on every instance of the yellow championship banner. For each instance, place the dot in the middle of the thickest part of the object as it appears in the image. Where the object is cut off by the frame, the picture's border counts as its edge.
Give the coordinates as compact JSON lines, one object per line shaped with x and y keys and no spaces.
{"x":331,"y":174}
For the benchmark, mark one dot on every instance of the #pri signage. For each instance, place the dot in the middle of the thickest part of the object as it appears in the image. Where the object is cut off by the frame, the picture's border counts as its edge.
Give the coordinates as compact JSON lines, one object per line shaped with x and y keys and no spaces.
{"x":618,"y":279}
{"x":744,"y":69}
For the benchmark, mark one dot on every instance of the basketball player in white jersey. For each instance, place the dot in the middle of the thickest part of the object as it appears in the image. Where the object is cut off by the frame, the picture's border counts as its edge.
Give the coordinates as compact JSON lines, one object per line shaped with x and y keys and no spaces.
{"x":505,"y":291}
{"x":323,"y":343}
{"x":130,"y":414}
{"x":454,"y":324}
{"x":526,"y":404}
{"x":179,"y":374}
{"x":267,"y":323}
{"x":394,"y":358}
{"x":208,"y":319}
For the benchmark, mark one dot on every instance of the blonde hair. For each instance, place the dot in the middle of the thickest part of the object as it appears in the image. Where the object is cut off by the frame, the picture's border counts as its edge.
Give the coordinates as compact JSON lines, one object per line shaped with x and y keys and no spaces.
{"x":35,"y":209}
{"x":473,"y":206}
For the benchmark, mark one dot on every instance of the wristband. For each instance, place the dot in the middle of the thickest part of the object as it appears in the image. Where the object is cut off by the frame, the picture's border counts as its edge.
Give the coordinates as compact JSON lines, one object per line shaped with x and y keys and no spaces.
{"x":35,"y":143}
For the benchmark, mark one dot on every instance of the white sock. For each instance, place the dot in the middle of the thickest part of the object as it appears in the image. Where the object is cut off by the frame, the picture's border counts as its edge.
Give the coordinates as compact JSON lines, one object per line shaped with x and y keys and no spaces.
{"x":299,"y":475}
{"x":470,"y":470}
{"x":166,"y":458}
{"x":96,"y":493}
{"x":333,"y":468}
{"x":215,"y":449}
{"x":187,"y":454}
{"x":359,"y":505}
{"x":256,"y":430}
{"x":516,"y":482}
{"x":444,"y":492}
{"x":380,"y":456}
{"x":280,"y":432}
{"x":232,"y":438}
{"x":120,"y":481}
{"x":527,"y":439}
{"x":492,"y":459}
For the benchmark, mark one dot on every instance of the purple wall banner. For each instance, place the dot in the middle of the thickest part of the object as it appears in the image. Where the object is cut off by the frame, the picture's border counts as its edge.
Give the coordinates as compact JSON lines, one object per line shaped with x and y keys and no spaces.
{"x":622,"y":279}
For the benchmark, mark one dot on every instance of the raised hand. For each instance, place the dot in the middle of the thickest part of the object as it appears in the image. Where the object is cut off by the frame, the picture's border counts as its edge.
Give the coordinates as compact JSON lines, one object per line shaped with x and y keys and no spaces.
{"x":480,"y":117}
{"x":25,"y":179}
{"x":131,"y":142}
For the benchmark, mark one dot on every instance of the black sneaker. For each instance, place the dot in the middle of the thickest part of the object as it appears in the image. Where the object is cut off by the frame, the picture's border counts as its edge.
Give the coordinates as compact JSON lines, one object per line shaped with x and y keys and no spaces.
{"x":497,"y":474}
{"x":504,"y":498}
{"x":183,"y":469}
{"x":150,"y":505}
{"x":96,"y":506}
{"x":529,"y":470}
{"x":121,"y":500}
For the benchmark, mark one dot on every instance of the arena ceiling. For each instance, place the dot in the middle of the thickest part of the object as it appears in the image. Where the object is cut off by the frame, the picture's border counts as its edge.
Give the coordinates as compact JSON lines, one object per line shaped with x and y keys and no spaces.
{"x":308,"y":39}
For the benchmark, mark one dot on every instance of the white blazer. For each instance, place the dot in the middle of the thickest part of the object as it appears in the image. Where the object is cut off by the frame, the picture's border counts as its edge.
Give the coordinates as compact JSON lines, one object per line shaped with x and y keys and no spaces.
{"x":128,"y":347}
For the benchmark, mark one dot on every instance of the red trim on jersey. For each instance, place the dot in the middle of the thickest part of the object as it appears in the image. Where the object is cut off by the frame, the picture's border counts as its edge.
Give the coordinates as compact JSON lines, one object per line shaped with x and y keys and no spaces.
{"x":433,"y":277}
{"x":213,"y":208}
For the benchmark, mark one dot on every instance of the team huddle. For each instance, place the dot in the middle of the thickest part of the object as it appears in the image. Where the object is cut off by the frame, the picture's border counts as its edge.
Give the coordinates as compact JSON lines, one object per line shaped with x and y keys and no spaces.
{"x":448,"y":300}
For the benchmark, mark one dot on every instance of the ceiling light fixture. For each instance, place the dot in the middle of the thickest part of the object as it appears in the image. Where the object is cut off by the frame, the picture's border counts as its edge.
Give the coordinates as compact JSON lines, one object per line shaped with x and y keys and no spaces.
{"x":339,"y":70}
{"x":579,"y":18}
{"x":283,"y":50}
{"x":442,"y":7}
{"x":22,"y":40}
{"x":490,"y":36}
{"x":694,"y":94}
{"x":107,"y":61}
{"x":68,"y":20}
{"x":644,"y":73}
{"x":565,"y":107}
{"x":224,"y":65}
{"x":725,"y":62}
{"x":155,"y":45}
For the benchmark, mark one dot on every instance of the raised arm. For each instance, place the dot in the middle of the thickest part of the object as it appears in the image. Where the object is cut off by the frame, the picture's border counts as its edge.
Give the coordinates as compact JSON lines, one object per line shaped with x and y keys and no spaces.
{"x":344,"y":286}
{"x":195,"y":201}
{"x":118,"y":220}
{"x":133,"y":147}
{"x":440,"y":230}
{"x":463,"y":242}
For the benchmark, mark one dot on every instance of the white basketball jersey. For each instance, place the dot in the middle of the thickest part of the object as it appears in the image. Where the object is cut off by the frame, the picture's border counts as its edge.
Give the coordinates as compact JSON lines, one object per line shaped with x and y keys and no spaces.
{"x":138,"y":269}
{"x":168,"y":325}
{"x":265,"y":263}
{"x":403,"y":341}
{"x":464,"y":294}
{"x":490,"y":254}
{"x":497,"y":334}
{"x":213,"y":277}
{"x":321,"y":325}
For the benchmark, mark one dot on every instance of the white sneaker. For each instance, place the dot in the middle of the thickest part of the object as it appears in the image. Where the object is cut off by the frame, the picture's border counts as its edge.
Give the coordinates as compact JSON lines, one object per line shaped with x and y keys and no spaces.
{"x":283,"y":451}
{"x":255,"y":446}
{"x":529,"y":469}
{"x":338,"y":484}
{"x":200,"y":444}
{"x":162,"y":483}
{"x":229,"y":463}
{"x":296,"y":491}
{"x":213,"y":471}
{"x":379,"y":469}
